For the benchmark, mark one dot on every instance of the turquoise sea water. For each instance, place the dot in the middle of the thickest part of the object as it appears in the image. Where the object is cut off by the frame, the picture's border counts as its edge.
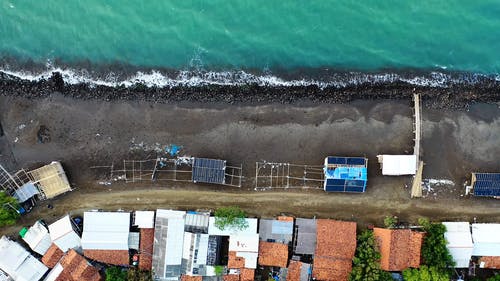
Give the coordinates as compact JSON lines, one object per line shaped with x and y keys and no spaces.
{"x":266,"y":35}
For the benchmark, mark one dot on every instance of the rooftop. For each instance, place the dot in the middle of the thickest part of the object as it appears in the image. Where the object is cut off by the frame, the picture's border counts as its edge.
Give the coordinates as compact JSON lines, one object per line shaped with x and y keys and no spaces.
{"x":144,"y":219}
{"x":298,"y":271}
{"x":106,"y":231}
{"x":214,"y":230}
{"x":146,"y":248}
{"x":273,"y":254}
{"x":276,"y":230}
{"x":336,"y":244}
{"x":486,"y":239}
{"x":489,"y":262}
{"x":209,"y":170}
{"x":345,"y":174}
{"x":396,"y":165}
{"x":247,"y":274}
{"x":19,"y":263}
{"x":306,"y":236}
{"x":399,"y":248}
{"x":459,"y":242}
{"x":115,"y":257}
{"x":78,"y":268}
{"x":63,"y":234}
{"x":51,"y":179}
{"x":191,"y":278}
{"x":486,"y":184}
{"x":38,"y":238}
{"x":52,"y":256}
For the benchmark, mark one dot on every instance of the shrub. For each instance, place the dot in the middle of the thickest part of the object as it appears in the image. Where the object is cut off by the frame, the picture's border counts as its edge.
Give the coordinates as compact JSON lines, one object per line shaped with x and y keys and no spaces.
{"x":230,"y":217}
{"x":8,"y":213}
{"x":115,"y":273}
{"x":390,"y":221}
{"x":425,"y":273}
{"x":367,"y":260}
{"x":434,"y":251}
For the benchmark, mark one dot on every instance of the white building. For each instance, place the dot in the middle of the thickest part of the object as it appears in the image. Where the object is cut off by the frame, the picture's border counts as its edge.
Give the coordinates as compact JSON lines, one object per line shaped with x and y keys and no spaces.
{"x":105,"y":230}
{"x":38,"y":238}
{"x":144,"y":219}
{"x":64,"y":235}
{"x":459,"y":242}
{"x":398,"y":165}
{"x":18,"y":263}
{"x":486,"y":239}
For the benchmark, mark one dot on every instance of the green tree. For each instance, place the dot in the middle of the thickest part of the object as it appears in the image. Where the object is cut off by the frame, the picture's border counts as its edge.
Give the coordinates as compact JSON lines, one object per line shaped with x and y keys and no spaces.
{"x":8,"y":207}
{"x":230,"y":217}
{"x":494,"y":278}
{"x":425,"y":273}
{"x":434,"y":251}
{"x":367,"y":260}
{"x":135,"y":274}
{"x":390,"y":221}
{"x":115,"y":273}
{"x":219,"y":270}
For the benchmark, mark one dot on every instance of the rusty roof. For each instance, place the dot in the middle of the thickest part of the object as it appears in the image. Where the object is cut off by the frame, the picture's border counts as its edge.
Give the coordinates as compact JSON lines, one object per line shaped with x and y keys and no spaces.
{"x":77,"y":268}
{"x":399,"y":248}
{"x":294,"y":271}
{"x":285,"y":218}
{"x":490,"y":262}
{"x":335,"y":247}
{"x":273,"y":254}
{"x":247,"y":274}
{"x":115,"y":257}
{"x":231,"y":277}
{"x":146,"y":248}
{"x":235,"y":261}
{"x":52,"y":256}
{"x":191,"y":278}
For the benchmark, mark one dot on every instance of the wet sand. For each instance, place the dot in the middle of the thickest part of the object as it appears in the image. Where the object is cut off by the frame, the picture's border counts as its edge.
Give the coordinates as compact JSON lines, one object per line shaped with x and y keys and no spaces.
{"x":85,"y":133}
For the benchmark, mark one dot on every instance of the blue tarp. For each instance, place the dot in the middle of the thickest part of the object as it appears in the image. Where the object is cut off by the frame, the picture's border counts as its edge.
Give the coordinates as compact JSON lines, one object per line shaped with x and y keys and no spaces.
{"x":348,"y":178}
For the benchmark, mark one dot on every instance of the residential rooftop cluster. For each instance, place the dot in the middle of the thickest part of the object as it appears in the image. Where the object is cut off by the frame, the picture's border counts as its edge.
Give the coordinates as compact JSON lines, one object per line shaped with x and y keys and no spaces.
{"x":180,"y":245}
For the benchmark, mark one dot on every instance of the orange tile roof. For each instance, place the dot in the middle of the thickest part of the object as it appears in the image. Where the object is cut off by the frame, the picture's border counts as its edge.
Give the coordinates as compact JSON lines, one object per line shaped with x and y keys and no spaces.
{"x":399,"y":248}
{"x":490,"y":262}
{"x":77,"y":268}
{"x":285,"y":218}
{"x":247,"y":274}
{"x":294,"y":270}
{"x":115,"y":257}
{"x":146,"y":248}
{"x":335,"y":247}
{"x":52,"y":256}
{"x":191,"y":278}
{"x":232,"y":277}
{"x":235,"y":261}
{"x":273,"y":254}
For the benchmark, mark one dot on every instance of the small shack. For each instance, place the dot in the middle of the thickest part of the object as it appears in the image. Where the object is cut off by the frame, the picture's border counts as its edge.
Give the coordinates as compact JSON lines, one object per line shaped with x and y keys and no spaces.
{"x":485,"y":184}
{"x":345,"y":174}
{"x":51,"y":180}
{"x":398,"y":165}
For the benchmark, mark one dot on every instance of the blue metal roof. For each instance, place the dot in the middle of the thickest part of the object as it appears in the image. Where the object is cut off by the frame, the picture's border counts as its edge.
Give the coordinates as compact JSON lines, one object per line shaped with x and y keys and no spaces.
{"x":209,"y":170}
{"x":487,"y":184}
{"x":345,"y":174}
{"x":26,"y":191}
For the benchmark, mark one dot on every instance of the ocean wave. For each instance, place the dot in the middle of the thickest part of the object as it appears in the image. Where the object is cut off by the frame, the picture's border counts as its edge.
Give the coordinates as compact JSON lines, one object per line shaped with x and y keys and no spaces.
{"x":155,"y":78}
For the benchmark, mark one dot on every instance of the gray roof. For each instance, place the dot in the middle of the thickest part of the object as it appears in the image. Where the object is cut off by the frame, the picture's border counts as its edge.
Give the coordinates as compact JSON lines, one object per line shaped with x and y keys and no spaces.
{"x":197,"y":222}
{"x":209,"y":170}
{"x":26,"y":191}
{"x":275,"y":231}
{"x":306,"y":236}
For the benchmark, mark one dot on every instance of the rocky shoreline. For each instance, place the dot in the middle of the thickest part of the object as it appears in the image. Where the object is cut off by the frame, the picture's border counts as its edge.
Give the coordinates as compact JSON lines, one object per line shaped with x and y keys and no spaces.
{"x":455,"y":96}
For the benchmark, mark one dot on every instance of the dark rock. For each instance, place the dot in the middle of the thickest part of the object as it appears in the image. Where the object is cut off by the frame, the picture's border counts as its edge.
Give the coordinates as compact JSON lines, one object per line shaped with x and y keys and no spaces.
{"x":43,"y":134}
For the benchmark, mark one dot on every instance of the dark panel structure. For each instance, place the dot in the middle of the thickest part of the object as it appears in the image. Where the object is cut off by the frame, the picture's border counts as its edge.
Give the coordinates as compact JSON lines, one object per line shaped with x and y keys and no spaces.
{"x":209,"y":170}
{"x":486,"y":184}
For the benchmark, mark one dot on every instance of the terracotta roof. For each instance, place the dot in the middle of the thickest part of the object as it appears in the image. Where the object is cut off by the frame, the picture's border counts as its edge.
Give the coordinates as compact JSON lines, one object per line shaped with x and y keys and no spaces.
{"x":490,"y":262}
{"x":232,"y":277}
{"x":399,"y":248}
{"x":77,"y":268}
{"x":294,"y":271}
{"x":335,"y":247}
{"x":115,"y":257}
{"x":247,"y":274}
{"x":52,"y":256}
{"x":191,"y":278}
{"x":285,"y":218}
{"x":234,"y":261}
{"x":146,"y":248}
{"x":273,"y":254}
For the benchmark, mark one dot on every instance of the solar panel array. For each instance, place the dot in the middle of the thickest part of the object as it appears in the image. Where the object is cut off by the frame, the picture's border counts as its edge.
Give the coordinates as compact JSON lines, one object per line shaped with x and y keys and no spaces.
{"x":487,"y":184}
{"x":347,"y":160}
{"x":342,"y":185}
{"x":209,"y":170}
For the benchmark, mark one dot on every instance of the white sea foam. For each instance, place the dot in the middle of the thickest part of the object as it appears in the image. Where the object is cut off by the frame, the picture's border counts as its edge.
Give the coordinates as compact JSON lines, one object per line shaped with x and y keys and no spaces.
{"x":155,"y":78}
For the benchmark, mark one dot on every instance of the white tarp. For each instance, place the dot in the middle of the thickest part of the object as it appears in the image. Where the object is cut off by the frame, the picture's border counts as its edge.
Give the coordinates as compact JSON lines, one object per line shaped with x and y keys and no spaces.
{"x":486,"y":239}
{"x":144,"y":219}
{"x":214,"y":230}
{"x":38,"y":238}
{"x":105,"y":230}
{"x":459,"y":242}
{"x":244,"y":243}
{"x":397,"y":165}
{"x":18,"y":263}
{"x":64,"y":236}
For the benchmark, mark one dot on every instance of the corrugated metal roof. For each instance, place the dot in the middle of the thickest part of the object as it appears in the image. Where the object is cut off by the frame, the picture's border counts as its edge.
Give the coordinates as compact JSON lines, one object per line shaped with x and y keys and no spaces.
{"x":395,"y":165}
{"x":486,"y":239}
{"x":306,"y":236}
{"x":38,"y":238}
{"x":105,"y":230}
{"x":18,"y":263}
{"x":197,"y":222}
{"x":282,"y":227}
{"x":26,"y":191}
{"x":459,"y":242}
{"x":62,"y":234}
{"x":209,"y":170}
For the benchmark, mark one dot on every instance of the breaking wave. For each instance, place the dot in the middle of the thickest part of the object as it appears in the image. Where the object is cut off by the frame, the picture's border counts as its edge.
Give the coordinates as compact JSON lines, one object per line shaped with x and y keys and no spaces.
{"x":156,"y":78}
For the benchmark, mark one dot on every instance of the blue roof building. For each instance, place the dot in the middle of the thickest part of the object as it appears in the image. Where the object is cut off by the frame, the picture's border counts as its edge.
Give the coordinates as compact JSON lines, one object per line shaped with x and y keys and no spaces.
{"x":345,"y":174}
{"x":486,"y":184}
